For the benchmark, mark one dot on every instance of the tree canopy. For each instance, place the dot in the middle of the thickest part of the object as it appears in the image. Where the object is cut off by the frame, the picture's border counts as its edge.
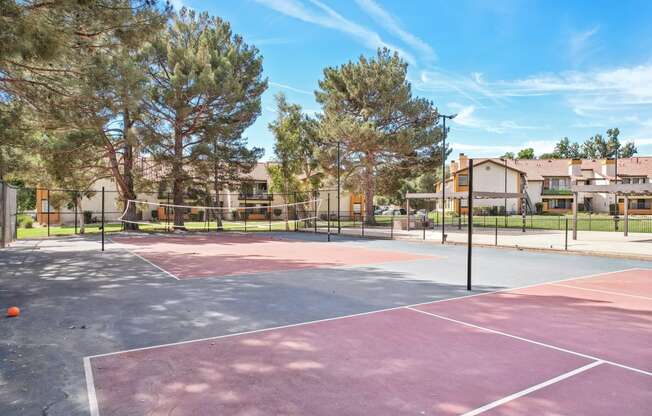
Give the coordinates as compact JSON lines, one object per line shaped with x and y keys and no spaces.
{"x":385,"y":133}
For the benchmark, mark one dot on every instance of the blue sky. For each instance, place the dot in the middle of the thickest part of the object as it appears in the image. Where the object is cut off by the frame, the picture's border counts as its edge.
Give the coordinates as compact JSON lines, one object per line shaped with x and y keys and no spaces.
{"x":518,"y":73}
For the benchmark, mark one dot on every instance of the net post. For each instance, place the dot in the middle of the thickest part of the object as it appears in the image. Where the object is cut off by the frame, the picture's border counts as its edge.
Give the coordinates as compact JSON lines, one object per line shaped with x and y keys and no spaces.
{"x":102,"y":218}
{"x":75,"y":215}
{"x":328,"y":216}
{"x":496,"y":233}
{"x":48,"y":212}
{"x":469,"y":255}
{"x":315,"y":203}
{"x":167,"y":214}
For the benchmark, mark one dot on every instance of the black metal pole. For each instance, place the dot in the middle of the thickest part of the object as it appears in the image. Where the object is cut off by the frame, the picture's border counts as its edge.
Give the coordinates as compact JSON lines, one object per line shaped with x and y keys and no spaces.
{"x":76,"y":213}
{"x":469,"y":255}
{"x":339,"y":226}
{"x":167,"y":214}
{"x":315,"y":203}
{"x":496,"y":232}
{"x":102,"y":218}
{"x":328,"y":215}
{"x":391,"y":231}
{"x":566,"y":236}
{"x":245,"y":212}
{"x":48,"y":213}
{"x":505,"y":192}
{"x":443,"y":184}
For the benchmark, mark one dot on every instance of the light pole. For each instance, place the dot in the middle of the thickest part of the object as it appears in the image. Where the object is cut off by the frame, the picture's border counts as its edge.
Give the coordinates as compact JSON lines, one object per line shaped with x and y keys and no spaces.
{"x":339,"y":227}
{"x":443,"y":175}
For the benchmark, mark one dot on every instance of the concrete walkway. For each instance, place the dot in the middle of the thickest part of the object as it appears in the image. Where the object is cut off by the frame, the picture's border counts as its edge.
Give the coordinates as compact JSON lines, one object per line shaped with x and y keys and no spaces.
{"x":636,"y":245}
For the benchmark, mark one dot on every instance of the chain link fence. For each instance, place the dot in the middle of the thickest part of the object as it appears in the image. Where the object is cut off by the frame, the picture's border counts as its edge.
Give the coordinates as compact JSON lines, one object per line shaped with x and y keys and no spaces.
{"x":8,"y":214}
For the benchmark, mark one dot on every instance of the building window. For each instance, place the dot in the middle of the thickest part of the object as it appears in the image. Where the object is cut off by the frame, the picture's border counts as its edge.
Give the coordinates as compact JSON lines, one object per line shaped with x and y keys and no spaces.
{"x":45,"y":206}
{"x":640,"y":203}
{"x":463,"y":180}
{"x":559,"y":203}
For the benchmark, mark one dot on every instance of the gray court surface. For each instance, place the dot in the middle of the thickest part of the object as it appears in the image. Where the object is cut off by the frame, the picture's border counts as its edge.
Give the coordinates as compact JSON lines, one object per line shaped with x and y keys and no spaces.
{"x":77,"y":301}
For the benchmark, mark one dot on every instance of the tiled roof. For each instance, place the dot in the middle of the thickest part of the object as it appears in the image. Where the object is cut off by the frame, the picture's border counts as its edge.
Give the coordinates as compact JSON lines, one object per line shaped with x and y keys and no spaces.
{"x":537,"y":169}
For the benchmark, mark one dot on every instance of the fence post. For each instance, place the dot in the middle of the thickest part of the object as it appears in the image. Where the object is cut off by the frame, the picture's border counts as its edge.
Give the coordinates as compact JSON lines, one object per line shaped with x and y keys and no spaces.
{"x":424,"y":228}
{"x":167,"y":214}
{"x":76,"y":215}
{"x":315,"y":202}
{"x":566,"y":236}
{"x":102,"y":218}
{"x":459,"y":217}
{"x":269,"y":212}
{"x":328,"y":216}
{"x":391,"y":230}
{"x":296,"y":223}
{"x":245,"y":212}
{"x":362,"y":222}
{"x":589,"y":221}
{"x":496,"y":232}
{"x":469,"y":255}
{"x":48,"y":213}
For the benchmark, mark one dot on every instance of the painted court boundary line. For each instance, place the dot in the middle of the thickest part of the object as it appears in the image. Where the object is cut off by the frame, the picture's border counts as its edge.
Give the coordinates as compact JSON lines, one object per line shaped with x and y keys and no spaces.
{"x":122,"y":247}
{"x":88,"y":370}
{"x":529,"y":390}
{"x":608,"y":292}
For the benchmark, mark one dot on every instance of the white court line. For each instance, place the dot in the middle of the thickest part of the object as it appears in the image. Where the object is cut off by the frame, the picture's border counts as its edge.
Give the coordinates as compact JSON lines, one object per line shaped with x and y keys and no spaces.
{"x":93,"y":399}
{"x":531,"y":341}
{"x":608,"y":292}
{"x":529,"y":390}
{"x":345,"y":316}
{"x":90,"y":387}
{"x":122,"y":246}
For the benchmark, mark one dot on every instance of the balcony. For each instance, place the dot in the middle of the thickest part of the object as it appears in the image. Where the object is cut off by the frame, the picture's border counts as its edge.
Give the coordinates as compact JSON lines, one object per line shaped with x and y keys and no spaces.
{"x":255,"y":196}
{"x":556,"y":191}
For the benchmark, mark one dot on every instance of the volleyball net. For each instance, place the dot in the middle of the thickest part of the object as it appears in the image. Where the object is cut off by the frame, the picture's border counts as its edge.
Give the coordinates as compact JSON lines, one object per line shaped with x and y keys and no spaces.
{"x":250,"y":217}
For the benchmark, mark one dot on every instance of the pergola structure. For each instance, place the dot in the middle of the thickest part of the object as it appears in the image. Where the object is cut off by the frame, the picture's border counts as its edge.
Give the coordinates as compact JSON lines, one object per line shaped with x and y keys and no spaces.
{"x":619,"y":189}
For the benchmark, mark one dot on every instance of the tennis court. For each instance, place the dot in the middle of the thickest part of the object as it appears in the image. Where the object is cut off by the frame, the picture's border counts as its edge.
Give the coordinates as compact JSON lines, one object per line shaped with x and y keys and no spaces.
{"x":219,"y":255}
{"x":289,"y":323}
{"x":580,"y":346}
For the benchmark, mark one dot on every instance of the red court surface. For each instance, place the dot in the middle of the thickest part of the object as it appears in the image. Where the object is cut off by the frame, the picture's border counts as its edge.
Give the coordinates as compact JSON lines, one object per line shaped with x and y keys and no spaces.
{"x":224,"y":255}
{"x":508,"y":353}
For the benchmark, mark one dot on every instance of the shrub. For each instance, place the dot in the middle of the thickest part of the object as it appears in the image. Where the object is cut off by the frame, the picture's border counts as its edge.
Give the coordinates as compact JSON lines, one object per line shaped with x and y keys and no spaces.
{"x":88,"y":217}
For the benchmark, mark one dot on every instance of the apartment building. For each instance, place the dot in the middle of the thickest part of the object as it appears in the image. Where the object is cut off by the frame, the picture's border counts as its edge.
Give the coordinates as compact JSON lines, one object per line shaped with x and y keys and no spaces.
{"x":254,"y":194}
{"x":547,"y":184}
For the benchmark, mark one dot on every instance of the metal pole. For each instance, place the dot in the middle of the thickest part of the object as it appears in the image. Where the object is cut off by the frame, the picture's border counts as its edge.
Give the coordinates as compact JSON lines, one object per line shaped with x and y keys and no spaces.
{"x":575,"y":198}
{"x":362,"y":223}
{"x":469,"y":255}
{"x":391,"y":231}
{"x":626,"y":224}
{"x":48,"y":213}
{"x":339,"y":226}
{"x":315,"y":202}
{"x":269,"y":212}
{"x":245,"y":212}
{"x":167,"y":214}
{"x":102,"y":218}
{"x":407,"y":205}
{"x":505,"y":192}
{"x":566,"y":236}
{"x":443,"y":184}
{"x":424,"y":229}
{"x":76,"y":214}
{"x":328,"y":215}
{"x":496,"y":232}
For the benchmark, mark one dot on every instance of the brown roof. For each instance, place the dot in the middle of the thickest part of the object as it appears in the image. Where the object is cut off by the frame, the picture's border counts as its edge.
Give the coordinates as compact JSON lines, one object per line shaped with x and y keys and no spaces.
{"x":500,"y":162}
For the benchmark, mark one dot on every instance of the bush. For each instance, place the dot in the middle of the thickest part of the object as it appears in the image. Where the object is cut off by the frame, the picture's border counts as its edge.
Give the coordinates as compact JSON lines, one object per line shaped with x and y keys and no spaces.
{"x":88,"y":217}
{"x":25,"y":221}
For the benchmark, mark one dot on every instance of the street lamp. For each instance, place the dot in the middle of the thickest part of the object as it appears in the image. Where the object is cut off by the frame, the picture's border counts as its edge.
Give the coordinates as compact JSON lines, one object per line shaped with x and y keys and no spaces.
{"x":443,"y":175}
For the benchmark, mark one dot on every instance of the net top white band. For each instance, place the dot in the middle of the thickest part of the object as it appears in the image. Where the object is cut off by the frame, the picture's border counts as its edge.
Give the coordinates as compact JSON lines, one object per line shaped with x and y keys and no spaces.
{"x":134,"y":201}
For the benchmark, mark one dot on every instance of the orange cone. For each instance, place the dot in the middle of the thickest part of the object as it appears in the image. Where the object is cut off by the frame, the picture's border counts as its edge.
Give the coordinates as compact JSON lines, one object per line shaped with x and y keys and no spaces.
{"x":13,"y":311}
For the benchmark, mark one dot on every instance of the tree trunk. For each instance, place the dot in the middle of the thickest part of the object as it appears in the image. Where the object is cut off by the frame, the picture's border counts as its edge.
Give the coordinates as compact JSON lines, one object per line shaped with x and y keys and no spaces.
{"x":216,"y":189}
{"x":128,"y":175}
{"x":369,"y":192}
{"x":177,"y":180}
{"x":82,"y":224}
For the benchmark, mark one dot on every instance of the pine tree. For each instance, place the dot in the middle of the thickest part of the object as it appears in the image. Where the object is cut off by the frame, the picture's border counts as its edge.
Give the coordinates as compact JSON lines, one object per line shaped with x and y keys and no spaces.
{"x":202,"y":77}
{"x":383,"y":130}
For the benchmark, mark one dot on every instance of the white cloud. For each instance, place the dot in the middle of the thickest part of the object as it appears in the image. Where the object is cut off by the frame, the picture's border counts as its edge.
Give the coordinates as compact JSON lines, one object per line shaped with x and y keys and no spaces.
{"x":322,"y":15}
{"x":290,"y":88}
{"x":580,"y":44}
{"x":466,"y":117}
{"x":389,"y":22}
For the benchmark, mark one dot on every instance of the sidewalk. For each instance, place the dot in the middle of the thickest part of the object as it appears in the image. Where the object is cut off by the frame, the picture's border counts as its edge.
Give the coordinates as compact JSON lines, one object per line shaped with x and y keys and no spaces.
{"x":636,"y":245}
